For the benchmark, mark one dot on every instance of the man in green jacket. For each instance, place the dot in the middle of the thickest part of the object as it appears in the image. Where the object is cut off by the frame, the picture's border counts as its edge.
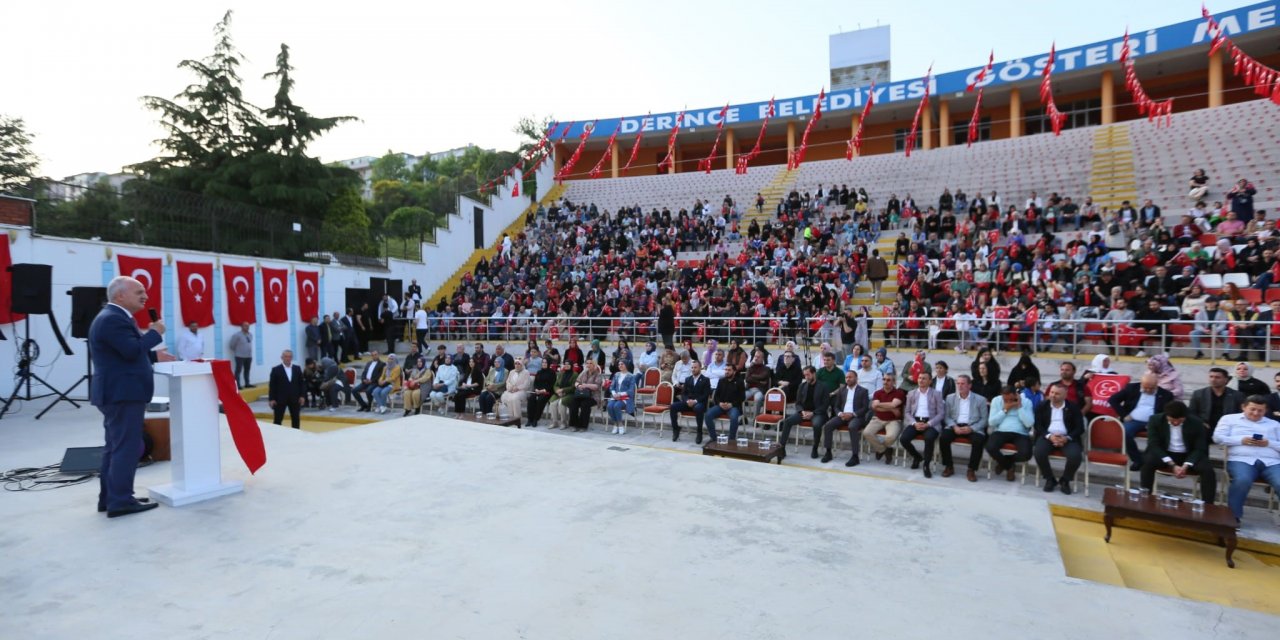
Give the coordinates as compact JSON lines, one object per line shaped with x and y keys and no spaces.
{"x":1179,"y":444}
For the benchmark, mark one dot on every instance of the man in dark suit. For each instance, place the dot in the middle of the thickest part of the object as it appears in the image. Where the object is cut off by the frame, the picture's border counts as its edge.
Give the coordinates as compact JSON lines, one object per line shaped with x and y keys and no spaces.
{"x":726,"y":400}
{"x":286,"y":389}
{"x":1216,"y":400}
{"x":1179,"y":443}
{"x":1135,"y":404}
{"x":811,"y":404}
{"x":1059,"y":426}
{"x":697,"y":391}
{"x":852,"y":408}
{"x":368,"y":381}
{"x":314,"y":340}
{"x":121,"y":387}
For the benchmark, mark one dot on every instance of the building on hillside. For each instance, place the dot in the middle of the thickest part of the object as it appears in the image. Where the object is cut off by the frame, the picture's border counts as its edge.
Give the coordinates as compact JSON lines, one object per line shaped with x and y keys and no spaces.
{"x":74,"y":187}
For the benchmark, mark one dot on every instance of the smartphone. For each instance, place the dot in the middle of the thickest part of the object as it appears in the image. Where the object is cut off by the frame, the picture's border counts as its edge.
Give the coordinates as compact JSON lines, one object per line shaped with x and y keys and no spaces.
{"x":1257,"y":436}
{"x":153,"y":315}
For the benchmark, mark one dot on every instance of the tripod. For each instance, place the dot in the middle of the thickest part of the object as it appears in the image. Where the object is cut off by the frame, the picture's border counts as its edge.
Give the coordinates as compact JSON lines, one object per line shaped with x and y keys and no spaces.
{"x":29,"y":352}
{"x":64,"y":396}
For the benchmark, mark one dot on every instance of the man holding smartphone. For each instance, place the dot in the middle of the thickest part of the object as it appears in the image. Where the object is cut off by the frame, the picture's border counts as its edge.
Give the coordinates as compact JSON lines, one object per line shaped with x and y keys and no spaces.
{"x":1253,"y":450}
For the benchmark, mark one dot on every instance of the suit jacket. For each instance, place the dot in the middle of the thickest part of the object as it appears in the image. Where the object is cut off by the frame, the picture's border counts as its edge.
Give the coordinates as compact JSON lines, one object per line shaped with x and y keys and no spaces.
{"x":1202,"y":401}
{"x":372,"y":371}
{"x":700,"y":393}
{"x":937,"y":408}
{"x":730,"y":390}
{"x":121,"y":358}
{"x":314,"y":337}
{"x":821,"y":398}
{"x":1126,"y":400}
{"x":1195,"y":435}
{"x":978,"y":411}
{"x":861,"y":404}
{"x":948,"y":387}
{"x":286,"y":390}
{"x":1070,"y":415}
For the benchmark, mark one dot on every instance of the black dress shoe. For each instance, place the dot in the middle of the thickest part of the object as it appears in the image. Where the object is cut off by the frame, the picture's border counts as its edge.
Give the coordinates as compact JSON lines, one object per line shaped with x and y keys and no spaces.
{"x":133,"y":508}
{"x":697,"y":440}
{"x":880,"y":455}
{"x":853,"y":462}
{"x":915,"y":462}
{"x":1135,"y":466}
{"x":1065,"y":486}
{"x":103,"y":508}
{"x":814,"y":453}
{"x":675,"y":435}
{"x":928,"y":473}
{"x":826,"y":457}
{"x":1050,"y":484}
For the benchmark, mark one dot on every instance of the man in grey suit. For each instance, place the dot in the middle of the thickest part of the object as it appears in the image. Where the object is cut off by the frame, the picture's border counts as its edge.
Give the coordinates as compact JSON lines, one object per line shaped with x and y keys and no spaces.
{"x":966,"y":417}
{"x":923,"y":417}
{"x":852,"y":407}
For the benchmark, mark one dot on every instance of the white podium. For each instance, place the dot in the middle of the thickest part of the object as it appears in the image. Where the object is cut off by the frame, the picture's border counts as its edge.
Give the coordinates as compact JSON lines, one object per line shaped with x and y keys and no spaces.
{"x":196,"y":471}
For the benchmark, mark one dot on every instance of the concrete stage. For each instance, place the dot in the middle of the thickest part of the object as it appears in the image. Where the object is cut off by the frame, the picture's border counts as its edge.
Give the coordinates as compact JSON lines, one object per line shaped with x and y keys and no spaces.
{"x":426,"y":527}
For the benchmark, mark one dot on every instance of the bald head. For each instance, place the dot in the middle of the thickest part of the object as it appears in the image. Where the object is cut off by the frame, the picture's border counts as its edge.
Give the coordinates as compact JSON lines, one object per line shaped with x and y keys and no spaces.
{"x":1149,"y":382}
{"x":128,"y":293}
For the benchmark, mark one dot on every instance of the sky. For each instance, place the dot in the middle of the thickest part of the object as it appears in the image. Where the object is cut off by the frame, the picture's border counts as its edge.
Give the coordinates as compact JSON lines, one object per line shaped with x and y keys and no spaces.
{"x":430,"y":76}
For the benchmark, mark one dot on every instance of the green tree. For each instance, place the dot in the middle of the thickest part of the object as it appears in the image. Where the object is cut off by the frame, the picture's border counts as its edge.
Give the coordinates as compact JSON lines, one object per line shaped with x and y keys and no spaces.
{"x":346,"y":226}
{"x":390,"y":167}
{"x":407,"y":222}
{"x":17,"y":161}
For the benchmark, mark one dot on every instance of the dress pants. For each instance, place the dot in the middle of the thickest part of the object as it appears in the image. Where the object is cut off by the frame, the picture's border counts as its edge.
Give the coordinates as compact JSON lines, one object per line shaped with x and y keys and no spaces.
{"x":1151,"y":464}
{"x":1131,"y":429}
{"x":998,"y":439}
{"x":734,"y":413}
{"x":907,"y":440}
{"x":872,"y":433}
{"x":537,"y":404}
{"x":790,"y":422}
{"x":123,"y":426}
{"x":976,"y":441}
{"x":364,"y":394}
{"x":293,"y":408}
{"x":828,"y":433}
{"x":1072,"y":450}
{"x":559,"y":412}
{"x":699,"y":410}
{"x":243,"y":365}
{"x":487,"y":400}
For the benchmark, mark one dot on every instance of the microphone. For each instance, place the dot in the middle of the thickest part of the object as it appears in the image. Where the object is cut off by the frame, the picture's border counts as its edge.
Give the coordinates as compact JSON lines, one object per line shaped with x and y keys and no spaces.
{"x":153,"y":315}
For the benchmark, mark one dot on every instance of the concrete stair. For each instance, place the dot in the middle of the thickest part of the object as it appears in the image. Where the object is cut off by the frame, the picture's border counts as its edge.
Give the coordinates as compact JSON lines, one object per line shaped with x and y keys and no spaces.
{"x":446,"y":290}
{"x":1112,"y":177}
{"x":772,"y":192}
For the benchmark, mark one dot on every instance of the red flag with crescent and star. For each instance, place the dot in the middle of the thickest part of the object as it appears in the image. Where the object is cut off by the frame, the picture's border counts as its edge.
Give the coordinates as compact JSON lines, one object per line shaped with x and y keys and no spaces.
{"x":308,"y":294}
{"x":195,"y":297}
{"x":239,"y":281}
{"x":146,"y":271}
{"x":275,"y":295}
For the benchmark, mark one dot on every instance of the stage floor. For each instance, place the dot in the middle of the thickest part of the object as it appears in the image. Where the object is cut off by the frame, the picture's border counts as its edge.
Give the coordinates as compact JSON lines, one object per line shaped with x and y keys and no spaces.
{"x":429,"y":527}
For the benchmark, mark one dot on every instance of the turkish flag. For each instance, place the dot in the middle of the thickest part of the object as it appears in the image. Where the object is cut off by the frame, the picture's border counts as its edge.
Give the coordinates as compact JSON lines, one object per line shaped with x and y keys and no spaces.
{"x":239,"y":282}
{"x":195,"y":293}
{"x":1101,"y":387}
{"x":308,"y":294}
{"x":275,"y":295}
{"x":6,"y":284}
{"x":146,"y":271}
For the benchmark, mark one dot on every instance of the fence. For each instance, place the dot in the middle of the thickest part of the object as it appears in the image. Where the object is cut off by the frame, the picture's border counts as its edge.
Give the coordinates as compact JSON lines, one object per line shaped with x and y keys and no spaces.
{"x":141,"y":213}
{"x":1215,"y":338}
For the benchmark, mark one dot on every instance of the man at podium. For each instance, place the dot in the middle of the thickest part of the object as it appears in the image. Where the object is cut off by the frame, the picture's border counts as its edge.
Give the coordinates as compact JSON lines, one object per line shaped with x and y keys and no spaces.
{"x":121,"y":387}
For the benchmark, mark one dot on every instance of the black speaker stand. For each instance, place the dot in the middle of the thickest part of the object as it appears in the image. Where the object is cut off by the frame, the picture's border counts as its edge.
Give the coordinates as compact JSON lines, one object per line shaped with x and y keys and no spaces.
{"x":64,"y":396}
{"x":25,"y":377}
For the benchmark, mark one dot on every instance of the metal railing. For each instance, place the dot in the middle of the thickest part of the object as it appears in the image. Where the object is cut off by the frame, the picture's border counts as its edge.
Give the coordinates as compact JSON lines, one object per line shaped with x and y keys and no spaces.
{"x":1217,"y":339}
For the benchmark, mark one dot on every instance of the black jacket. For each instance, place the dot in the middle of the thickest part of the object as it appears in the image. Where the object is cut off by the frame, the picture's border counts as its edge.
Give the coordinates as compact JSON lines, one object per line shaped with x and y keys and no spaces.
{"x":1070,"y":415}
{"x":730,"y":391}
{"x":1126,"y":400}
{"x":700,"y":392}
{"x":1195,"y":435}
{"x":281,"y":389}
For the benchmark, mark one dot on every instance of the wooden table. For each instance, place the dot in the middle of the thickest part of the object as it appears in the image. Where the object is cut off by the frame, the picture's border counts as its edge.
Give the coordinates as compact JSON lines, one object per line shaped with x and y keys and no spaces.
{"x":750,"y":452}
{"x":1216,"y":519}
{"x":497,"y":422}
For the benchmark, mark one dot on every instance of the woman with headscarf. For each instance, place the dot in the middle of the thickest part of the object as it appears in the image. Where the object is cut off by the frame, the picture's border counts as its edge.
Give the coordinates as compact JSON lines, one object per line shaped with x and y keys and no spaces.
{"x":446,"y":382}
{"x":388,"y":384}
{"x":1024,"y":370}
{"x":1101,"y":364}
{"x":884,"y":364}
{"x":788,"y":374}
{"x":596,"y":354}
{"x":416,"y":382}
{"x":1170,"y":379}
{"x":736,"y":356}
{"x":494,"y":384}
{"x":708,"y":356}
{"x":649,"y":359}
{"x":562,"y":394}
{"x":586,"y":394}
{"x":519,"y":383}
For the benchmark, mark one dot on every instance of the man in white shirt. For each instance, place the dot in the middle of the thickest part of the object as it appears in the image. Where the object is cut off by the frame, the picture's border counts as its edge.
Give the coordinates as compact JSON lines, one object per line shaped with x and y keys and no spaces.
{"x":190,"y":344}
{"x":1253,"y":450}
{"x":1179,"y":444}
{"x":923,"y":417}
{"x":420,"y":327}
{"x":682,"y":370}
{"x":869,"y":377}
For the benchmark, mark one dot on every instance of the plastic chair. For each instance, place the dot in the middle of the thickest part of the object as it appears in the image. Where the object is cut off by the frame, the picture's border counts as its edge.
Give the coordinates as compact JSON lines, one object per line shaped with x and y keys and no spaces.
{"x":1238,"y":279}
{"x":1104,"y":447}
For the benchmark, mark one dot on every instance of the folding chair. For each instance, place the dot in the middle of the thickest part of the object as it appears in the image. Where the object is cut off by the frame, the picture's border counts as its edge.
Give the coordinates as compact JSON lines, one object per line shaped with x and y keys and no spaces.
{"x":1104,"y":447}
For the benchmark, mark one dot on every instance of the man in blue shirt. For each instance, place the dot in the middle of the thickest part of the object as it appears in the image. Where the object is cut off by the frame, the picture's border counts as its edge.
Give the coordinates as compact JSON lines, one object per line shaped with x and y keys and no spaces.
{"x":1135,"y":404}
